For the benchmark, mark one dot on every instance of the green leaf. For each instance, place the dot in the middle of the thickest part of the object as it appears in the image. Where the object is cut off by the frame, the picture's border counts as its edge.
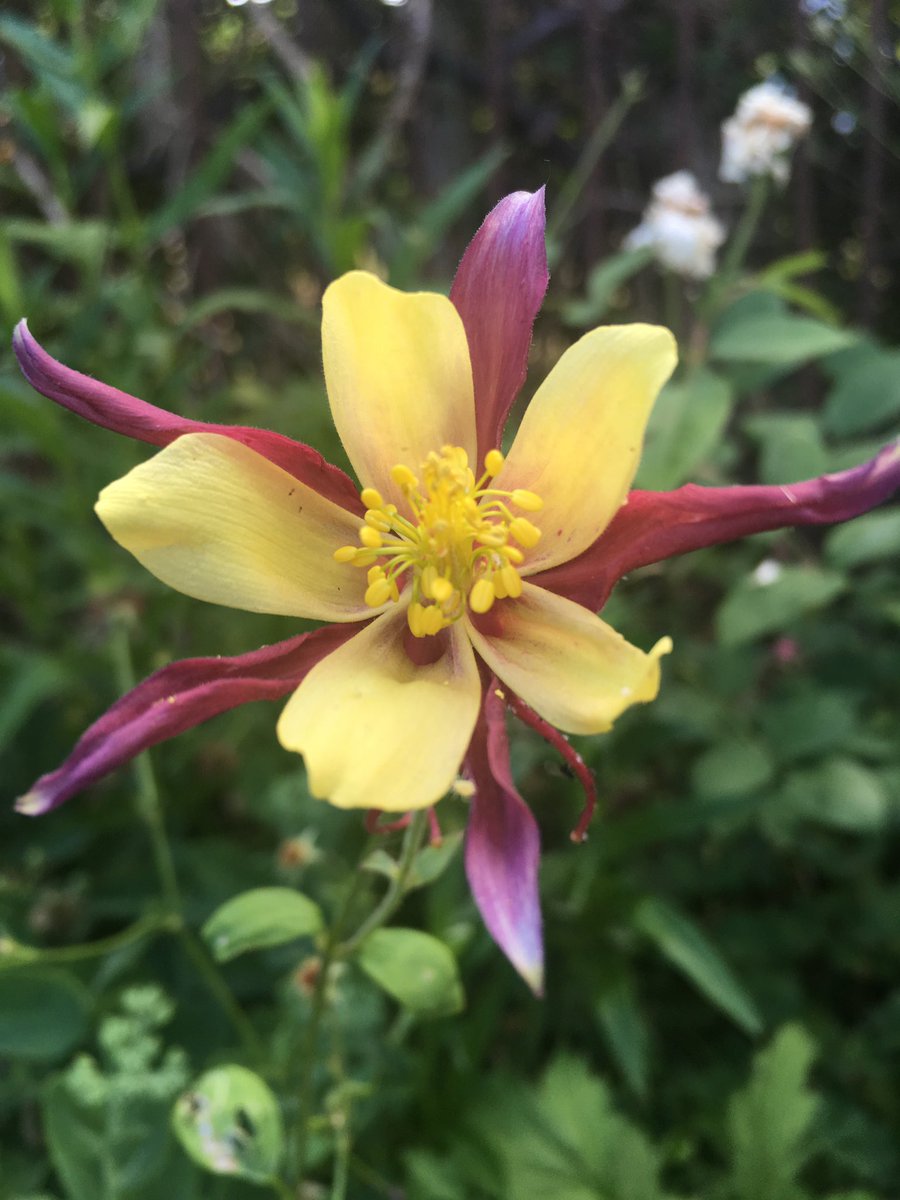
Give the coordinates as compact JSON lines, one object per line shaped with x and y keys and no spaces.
{"x":230,"y":1123}
{"x":686,"y":423}
{"x":43,"y":1013}
{"x":753,"y":609}
{"x":809,"y":723}
{"x":867,"y":539}
{"x":603,"y":283}
{"x":733,"y":767}
{"x":781,"y":339}
{"x":430,"y":863}
{"x":840,"y":793}
{"x":866,"y":393}
{"x":791,"y":446}
{"x":625,"y":1031}
{"x":769,"y":1120}
{"x":258,"y":919}
{"x":112,"y":1149}
{"x":414,"y":968}
{"x":688,"y":948}
{"x":212,"y":171}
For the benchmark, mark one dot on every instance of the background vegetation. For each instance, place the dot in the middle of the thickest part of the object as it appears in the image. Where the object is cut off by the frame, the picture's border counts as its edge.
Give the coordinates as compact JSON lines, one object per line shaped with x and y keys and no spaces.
{"x":178,"y":182}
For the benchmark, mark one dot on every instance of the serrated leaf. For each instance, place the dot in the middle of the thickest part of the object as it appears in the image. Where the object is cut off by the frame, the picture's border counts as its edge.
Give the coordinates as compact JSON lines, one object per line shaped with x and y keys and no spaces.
{"x":44,"y":1013}
{"x":770,"y":1118}
{"x":686,"y":423}
{"x":258,"y":919}
{"x":689,"y":949}
{"x":415,"y":968}
{"x":753,"y":609}
{"x":230,"y":1123}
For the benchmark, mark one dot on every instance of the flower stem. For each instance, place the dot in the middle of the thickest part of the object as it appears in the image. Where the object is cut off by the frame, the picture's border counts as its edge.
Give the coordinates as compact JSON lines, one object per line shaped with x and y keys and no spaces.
{"x":738,"y":245}
{"x":413,"y":837}
{"x":334,"y":950}
{"x":149,"y":807}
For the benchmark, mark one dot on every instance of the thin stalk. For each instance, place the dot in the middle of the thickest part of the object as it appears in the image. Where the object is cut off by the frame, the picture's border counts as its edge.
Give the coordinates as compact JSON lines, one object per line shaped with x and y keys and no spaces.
{"x":14,"y":955}
{"x":334,"y":950}
{"x":149,"y":807}
{"x":737,"y":248}
{"x":412,"y":843}
{"x":597,"y":143}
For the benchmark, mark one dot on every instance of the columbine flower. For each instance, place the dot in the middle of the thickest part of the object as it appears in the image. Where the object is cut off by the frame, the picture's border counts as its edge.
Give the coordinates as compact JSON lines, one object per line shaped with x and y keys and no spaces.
{"x":759,"y":137}
{"x":458,"y":583}
{"x":679,"y":227}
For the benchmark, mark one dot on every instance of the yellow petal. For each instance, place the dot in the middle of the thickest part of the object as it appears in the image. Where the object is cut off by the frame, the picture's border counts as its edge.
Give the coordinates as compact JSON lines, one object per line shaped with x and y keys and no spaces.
{"x":376,"y":730}
{"x":570,"y":666}
{"x":580,"y":440}
{"x":398,"y":376}
{"x":216,"y":520}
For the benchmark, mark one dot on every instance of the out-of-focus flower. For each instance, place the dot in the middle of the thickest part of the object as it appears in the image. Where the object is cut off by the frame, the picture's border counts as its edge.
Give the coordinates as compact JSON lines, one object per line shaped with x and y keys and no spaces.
{"x":461,"y":612}
{"x":758,"y":138}
{"x":679,"y":227}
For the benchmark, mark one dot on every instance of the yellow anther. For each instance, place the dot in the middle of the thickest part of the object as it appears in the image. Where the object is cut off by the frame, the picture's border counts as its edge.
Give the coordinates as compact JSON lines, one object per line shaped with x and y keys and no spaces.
{"x":415,"y":619}
{"x":371,"y":498}
{"x":403,"y":477}
{"x":524,"y":532}
{"x":433,"y":619}
{"x":442,"y":589}
{"x":452,"y":541}
{"x":512,"y":581}
{"x":378,"y":593}
{"x":482,"y":595}
{"x":530,"y":501}
{"x":493,"y":461}
{"x":464,"y":788}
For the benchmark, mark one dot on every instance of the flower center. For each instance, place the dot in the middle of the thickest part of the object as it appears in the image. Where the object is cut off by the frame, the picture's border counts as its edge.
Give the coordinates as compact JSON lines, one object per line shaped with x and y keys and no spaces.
{"x":456,"y":543}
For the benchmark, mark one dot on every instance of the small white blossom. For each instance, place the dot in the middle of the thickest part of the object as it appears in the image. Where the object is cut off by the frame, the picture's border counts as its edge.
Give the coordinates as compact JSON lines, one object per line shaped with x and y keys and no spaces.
{"x":680,"y":228}
{"x":759,"y":137}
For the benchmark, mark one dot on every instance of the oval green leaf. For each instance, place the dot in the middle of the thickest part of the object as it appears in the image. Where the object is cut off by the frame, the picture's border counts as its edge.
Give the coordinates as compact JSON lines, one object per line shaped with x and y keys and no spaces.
{"x":414,"y":968}
{"x":230,"y":1123}
{"x":43,"y":1013}
{"x":258,"y":919}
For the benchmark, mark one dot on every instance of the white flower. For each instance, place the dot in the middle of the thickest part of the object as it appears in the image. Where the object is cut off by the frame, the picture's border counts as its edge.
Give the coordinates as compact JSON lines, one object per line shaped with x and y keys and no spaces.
{"x":679,"y":227}
{"x":757,"y":140}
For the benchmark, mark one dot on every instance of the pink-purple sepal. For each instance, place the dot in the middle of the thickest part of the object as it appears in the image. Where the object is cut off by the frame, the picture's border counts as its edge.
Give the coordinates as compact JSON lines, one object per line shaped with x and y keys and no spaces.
{"x":111,"y":409}
{"x":498,"y":290}
{"x":503,"y":847}
{"x":174,"y":699}
{"x":652,"y":526}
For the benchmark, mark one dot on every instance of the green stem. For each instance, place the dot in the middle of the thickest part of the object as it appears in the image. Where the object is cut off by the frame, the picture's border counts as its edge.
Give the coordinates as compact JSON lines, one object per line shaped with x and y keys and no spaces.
{"x":412,"y":843}
{"x":600,"y":139}
{"x":280,"y":1188}
{"x":738,"y":245}
{"x":149,"y":806}
{"x":15,"y":954}
{"x":334,"y":949}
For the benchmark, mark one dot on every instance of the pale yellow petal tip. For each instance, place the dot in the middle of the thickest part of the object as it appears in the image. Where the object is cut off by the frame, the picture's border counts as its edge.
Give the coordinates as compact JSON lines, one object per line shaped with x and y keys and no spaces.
{"x":534,"y":977}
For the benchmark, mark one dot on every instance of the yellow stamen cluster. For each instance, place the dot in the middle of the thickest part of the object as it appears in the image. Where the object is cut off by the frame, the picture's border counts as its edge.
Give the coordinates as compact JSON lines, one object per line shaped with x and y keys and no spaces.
{"x":456,"y":540}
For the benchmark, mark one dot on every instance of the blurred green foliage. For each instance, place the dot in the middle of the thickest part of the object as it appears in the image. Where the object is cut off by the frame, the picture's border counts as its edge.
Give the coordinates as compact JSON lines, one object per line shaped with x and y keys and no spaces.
{"x":723,"y":1009}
